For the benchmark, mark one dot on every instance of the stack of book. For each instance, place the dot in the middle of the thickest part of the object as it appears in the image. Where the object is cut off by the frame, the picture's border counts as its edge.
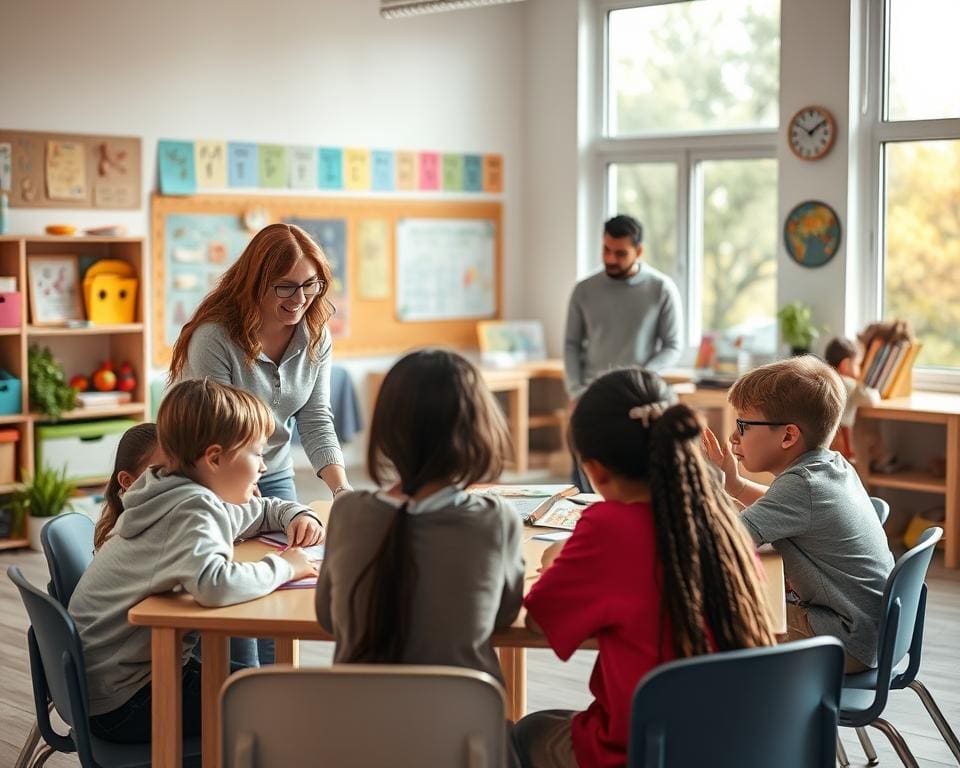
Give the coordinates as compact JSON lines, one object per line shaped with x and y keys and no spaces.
{"x":888,"y":366}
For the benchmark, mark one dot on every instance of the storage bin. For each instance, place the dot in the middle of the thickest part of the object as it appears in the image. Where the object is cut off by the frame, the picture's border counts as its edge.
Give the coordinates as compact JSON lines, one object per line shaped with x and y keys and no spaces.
{"x":85,"y":449}
{"x":111,"y":299}
{"x":9,"y":394}
{"x":10,"y":309}
{"x":8,"y":455}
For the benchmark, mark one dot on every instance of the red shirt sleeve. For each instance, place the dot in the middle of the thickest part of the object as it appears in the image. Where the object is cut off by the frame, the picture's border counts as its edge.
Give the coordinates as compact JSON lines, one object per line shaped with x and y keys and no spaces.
{"x":571,"y":600}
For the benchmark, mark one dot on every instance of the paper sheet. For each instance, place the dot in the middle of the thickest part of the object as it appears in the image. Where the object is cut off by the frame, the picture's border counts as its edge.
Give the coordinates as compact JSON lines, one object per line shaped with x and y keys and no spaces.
{"x":66,"y":166}
{"x":376,"y":275}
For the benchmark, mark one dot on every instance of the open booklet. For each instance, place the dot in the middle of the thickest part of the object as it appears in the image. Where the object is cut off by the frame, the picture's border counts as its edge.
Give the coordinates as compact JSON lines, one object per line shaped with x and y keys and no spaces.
{"x":546,"y":506}
{"x":278,"y":539}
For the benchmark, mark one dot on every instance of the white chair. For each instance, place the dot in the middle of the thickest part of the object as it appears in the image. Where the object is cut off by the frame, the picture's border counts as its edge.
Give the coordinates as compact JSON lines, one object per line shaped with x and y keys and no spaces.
{"x":358,"y":716}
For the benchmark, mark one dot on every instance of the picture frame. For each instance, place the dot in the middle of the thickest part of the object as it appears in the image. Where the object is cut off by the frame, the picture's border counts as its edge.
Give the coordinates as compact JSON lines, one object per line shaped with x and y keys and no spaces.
{"x":54,"y":289}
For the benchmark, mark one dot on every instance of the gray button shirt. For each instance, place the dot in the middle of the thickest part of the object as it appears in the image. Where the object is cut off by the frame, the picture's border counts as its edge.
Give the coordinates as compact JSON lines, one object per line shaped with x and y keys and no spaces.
{"x":298,"y":389}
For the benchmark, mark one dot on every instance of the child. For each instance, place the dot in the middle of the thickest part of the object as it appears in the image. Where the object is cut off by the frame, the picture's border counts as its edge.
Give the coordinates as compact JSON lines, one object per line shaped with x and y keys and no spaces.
{"x":177,"y":532}
{"x":660,"y":569}
{"x":842,"y":354}
{"x":138,"y":449}
{"x":424,"y":573}
{"x":815,"y":513}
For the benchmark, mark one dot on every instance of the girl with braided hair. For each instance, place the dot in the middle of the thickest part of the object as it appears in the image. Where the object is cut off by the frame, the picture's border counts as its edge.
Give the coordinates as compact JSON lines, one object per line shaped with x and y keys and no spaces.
{"x":660,"y":569}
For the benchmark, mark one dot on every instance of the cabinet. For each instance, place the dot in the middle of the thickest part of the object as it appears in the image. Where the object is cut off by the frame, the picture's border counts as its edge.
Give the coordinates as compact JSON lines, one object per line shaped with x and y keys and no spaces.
{"x":79,"y":349}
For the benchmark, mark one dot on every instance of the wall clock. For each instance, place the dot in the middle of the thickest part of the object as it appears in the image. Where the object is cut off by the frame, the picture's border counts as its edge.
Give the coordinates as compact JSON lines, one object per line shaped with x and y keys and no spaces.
{"x":811,"y":233}
{"x":811,"y":133}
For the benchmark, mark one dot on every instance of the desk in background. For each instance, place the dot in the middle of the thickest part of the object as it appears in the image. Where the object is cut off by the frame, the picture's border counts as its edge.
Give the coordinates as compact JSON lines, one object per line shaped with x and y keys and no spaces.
{"x":289,"y":616}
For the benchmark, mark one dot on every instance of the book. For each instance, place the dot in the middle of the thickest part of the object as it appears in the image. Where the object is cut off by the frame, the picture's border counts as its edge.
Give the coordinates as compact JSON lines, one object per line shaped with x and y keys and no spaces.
{"x":102,"y":399}
{"x":902,"y":374}
{"x":530,"y":501}
{"x":869,"y":358}
{"x":565,"y":513}
{"x":891,"y":363}
{"x":878,"y":362}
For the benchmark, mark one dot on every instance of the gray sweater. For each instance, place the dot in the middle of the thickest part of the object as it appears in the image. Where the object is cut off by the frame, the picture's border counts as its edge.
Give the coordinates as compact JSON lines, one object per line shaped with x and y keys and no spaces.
{"x":613,"y":323}
{"x":470,"y":573}
{"x":173,"y":534}
{"x":297,"y":390}
{"x":819,"y":518}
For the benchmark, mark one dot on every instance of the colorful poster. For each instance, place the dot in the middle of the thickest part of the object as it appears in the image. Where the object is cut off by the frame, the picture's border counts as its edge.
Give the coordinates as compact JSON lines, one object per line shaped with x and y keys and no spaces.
{"x":274,"y":166}
{"x":177,"y":170}
{"x":331,"y":235}
{"x":453,"y":173}
{"x":303,"y":167}
{"x":381,"y":170}
{"x":66,"y":166}
{"x":243,"y":164}
{"x":211,"y":164}
{"x":330,"y":171}
{"x":6,"y":166}
{"x":373,"y":247}
{"x":472,"y":173}
{"x":493,"y":173}
{"x":357,"y":163}
{"x":429,"y":170}
{"x":406,"y":165}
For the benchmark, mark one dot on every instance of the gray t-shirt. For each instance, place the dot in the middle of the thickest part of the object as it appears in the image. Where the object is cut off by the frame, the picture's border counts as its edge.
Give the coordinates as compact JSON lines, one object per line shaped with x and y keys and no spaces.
{"x":298,"y":389}
{"x":818,"y":516}
{"x":612,"y":323}
{"x":470,"y":574}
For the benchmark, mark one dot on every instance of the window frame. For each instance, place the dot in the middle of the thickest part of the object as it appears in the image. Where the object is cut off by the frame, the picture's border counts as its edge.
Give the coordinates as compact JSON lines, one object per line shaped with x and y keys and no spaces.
{"x":687,"y":151}
{"x":877,"y":132}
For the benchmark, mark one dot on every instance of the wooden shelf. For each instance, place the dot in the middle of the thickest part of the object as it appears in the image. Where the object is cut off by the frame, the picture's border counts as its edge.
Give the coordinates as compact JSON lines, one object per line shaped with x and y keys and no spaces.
{"x":545,"y":420}
{"x":14,"y":543}
{"x":93,"y":330}
{"x":9,"y":331}
{"x":14,"y":418}
{"x":10,"y":488}
{"x":908,"y":481}
{"x":126,"y":409}
{"x":69,"y":239}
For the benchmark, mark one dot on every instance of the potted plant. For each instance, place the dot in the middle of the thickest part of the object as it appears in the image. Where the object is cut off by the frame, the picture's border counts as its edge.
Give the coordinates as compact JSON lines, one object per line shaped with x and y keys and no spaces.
{"x":43,"y":496}
{"x":49,"y":392}
{"x":796,"y":327}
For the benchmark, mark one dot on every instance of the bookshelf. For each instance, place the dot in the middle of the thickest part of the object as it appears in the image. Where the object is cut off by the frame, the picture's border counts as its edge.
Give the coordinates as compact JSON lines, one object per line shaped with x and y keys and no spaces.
{"x":78,"y":349}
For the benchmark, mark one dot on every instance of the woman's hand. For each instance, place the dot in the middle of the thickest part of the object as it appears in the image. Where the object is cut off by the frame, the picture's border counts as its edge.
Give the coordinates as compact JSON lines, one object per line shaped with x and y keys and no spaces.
{"x":304,"y":531}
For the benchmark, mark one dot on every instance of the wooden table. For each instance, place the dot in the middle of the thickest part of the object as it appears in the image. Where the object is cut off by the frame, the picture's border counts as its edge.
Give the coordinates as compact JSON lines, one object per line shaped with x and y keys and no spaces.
{"x":289,"y":616}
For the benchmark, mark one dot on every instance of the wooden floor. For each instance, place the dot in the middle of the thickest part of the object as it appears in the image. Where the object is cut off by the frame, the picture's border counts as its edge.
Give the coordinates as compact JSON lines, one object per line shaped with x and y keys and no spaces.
{"x":551,"y":682}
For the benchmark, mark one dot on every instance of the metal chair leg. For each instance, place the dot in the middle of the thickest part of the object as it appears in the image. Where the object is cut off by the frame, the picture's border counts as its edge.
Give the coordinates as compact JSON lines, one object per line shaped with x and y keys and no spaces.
{"x":897,"y":742}
{"x":29,"y":747}
{"x":842,"y":753}
{"x":867,"y":745}
{"x":937,"y":716}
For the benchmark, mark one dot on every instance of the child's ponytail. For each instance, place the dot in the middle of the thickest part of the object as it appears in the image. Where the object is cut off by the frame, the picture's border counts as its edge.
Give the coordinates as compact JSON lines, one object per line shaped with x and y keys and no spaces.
{"x":133,"y":451}
{"x":710,"y":586}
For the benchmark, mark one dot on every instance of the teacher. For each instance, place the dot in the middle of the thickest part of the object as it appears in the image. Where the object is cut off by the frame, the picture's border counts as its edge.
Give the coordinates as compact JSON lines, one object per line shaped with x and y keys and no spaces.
{"x":263,"y":328}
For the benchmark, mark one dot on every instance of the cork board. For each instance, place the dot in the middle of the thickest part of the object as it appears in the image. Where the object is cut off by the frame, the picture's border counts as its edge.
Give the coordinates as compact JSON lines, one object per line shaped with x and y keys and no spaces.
{"x":72,"y":170}
{"x":195,"y":239}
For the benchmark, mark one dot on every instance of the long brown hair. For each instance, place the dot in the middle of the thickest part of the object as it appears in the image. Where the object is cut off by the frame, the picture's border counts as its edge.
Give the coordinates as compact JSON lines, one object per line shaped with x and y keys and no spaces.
{"x":434,"y":420}
{"x":711,"y":592}
{"x":133,"y":451}
{"x":235,"y":302}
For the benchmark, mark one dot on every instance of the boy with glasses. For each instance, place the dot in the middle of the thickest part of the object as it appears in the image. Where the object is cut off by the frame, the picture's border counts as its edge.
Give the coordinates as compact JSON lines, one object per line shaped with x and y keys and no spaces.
{"x":816,"y":513}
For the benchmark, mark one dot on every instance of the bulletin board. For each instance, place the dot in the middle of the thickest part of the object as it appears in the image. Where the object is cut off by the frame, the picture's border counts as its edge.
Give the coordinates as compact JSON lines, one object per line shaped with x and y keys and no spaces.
{"x":69,"y":170}
{"x":195,"y":239}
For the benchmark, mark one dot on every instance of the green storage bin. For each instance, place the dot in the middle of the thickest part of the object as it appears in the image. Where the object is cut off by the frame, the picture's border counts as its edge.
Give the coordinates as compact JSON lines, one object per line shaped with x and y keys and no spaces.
{"x":86,"y":449}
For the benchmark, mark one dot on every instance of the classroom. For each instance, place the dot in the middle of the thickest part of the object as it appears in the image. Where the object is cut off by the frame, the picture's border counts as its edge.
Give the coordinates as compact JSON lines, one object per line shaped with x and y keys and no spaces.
{"x":591,"y":366}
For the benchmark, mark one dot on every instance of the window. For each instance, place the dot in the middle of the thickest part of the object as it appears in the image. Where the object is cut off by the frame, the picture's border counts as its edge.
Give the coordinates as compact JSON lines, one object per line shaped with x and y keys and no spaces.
{"x":915,"y":143}
{"x":691,"y":110}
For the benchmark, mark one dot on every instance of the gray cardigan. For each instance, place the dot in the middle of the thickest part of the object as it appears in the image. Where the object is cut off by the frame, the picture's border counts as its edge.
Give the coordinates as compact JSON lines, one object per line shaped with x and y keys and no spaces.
{"x":297,"y":390}
{"x":470,"y":573}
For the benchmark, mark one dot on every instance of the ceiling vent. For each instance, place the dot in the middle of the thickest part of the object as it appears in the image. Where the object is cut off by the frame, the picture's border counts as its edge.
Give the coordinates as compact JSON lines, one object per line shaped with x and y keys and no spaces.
{"x":395,"y":9}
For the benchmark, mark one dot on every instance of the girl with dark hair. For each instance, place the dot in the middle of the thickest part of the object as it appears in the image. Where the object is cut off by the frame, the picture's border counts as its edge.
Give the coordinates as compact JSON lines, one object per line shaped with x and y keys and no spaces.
{"x":137,"y":450}
{"x":424,"y":573}
{"x":660,"y":569}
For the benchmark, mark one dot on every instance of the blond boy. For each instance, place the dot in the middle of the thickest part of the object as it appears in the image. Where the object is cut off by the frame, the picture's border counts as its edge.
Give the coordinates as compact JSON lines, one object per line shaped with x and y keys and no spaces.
{"x":816,"y":512}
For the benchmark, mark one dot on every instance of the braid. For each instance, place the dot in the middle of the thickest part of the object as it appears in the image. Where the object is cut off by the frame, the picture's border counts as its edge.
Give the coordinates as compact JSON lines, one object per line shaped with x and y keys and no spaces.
{"x":711,"y":592}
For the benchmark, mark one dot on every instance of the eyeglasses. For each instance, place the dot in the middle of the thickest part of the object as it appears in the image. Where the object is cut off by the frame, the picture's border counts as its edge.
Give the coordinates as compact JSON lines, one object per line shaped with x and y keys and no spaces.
{"x":742,"y":424}
{"x":310,"y":288}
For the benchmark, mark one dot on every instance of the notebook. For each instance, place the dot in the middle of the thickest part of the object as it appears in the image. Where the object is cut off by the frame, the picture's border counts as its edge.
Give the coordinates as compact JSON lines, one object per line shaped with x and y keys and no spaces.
{"x":530,"y":501}
{"x":278,"y":540}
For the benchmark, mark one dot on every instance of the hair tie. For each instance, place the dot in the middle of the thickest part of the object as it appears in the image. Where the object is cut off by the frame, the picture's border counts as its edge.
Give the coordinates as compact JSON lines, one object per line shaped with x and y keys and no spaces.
{"x":647,"y":413}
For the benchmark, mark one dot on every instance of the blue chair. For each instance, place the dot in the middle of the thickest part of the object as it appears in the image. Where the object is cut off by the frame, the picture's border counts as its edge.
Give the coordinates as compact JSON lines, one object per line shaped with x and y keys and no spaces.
{"x":741,"y":709}
{"x":67,"y":542}
{"x":899,"y":648}
{"x":59,"y":674}
{"x":882,"y":508}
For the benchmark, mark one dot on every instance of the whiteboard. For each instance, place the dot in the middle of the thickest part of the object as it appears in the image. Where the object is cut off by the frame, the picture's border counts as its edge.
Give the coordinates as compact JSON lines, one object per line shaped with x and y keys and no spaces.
{"x":445,"y":269}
